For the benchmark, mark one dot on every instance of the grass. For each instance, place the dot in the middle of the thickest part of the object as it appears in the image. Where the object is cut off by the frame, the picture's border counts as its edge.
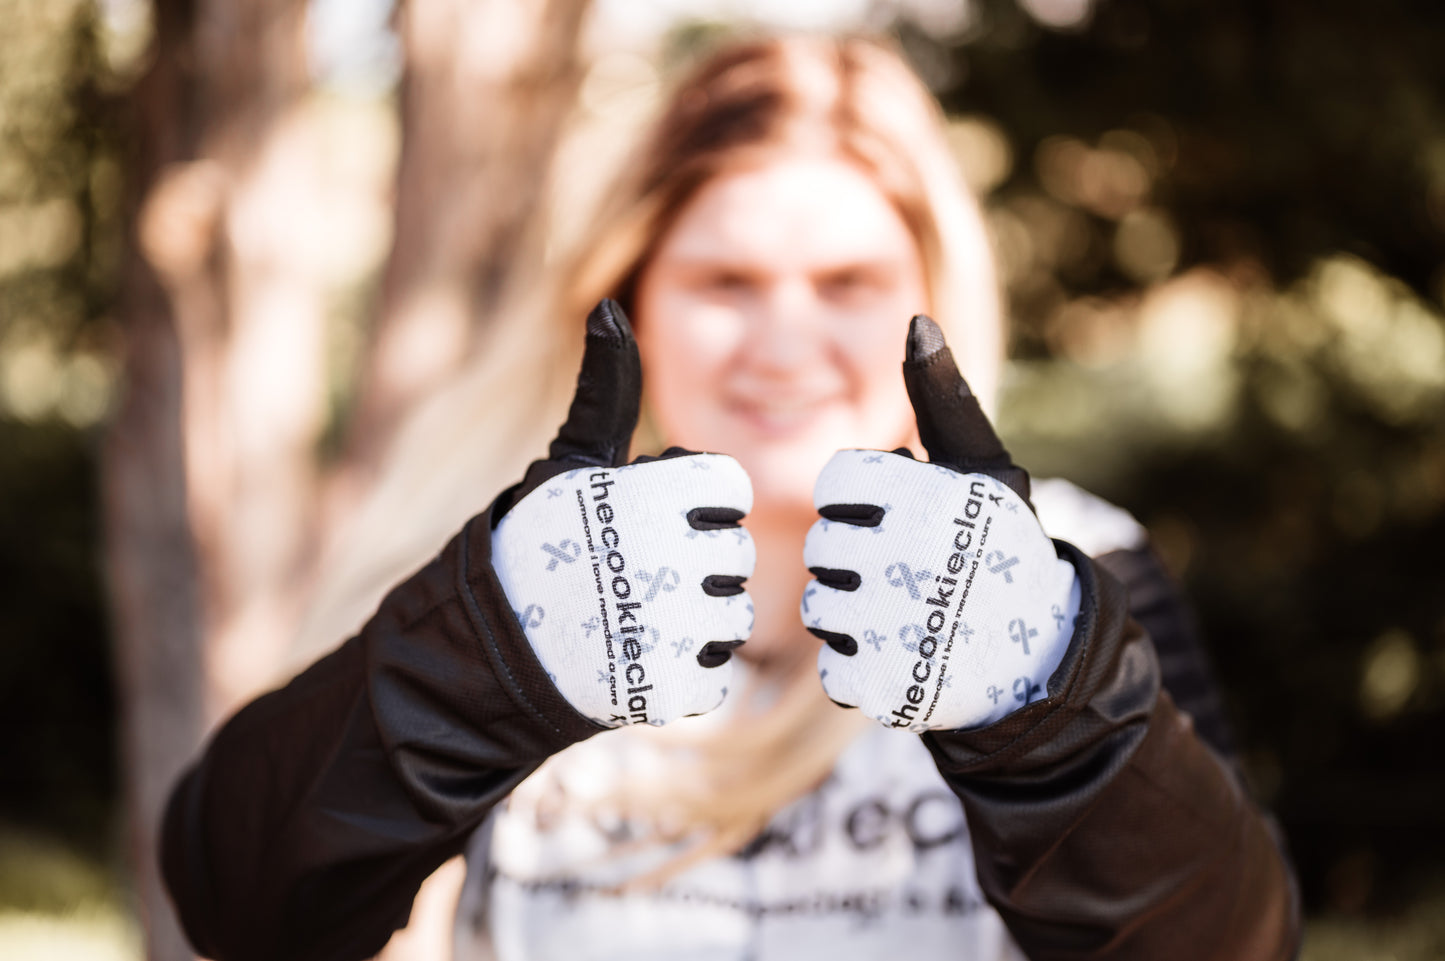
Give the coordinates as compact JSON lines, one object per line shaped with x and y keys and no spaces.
{"x":58,"y":903}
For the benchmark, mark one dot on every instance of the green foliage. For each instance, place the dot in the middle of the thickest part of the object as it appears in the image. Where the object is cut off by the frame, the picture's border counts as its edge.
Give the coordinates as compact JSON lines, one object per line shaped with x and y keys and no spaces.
{"x":45,"y":877}
{"x":56,"y":700}
{"x":1223,"y":226}
{"x":59,"y":213}
{"x":1280,"y":132}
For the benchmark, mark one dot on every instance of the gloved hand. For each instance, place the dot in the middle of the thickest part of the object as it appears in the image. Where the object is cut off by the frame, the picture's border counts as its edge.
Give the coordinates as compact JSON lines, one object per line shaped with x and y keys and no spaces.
{"x":942,"y":601}
{"x":627,"y":580}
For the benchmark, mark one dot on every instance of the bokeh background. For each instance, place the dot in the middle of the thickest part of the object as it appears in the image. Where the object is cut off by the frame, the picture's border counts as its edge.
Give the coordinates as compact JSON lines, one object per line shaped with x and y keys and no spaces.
{"x":239,"y":239}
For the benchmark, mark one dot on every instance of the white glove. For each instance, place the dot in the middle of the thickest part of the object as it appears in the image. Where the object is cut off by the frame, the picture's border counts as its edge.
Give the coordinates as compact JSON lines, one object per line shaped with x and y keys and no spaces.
{"x":943,"y":603}
{"x":627,"y":580}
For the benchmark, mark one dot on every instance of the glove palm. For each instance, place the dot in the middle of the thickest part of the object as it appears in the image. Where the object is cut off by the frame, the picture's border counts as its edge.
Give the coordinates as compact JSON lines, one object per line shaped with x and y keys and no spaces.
{"x":943,"y":603}
{"x":627,"y":578}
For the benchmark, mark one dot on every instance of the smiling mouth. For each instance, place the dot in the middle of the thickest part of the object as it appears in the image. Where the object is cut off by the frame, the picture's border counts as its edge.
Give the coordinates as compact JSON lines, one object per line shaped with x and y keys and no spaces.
{"x":779,"y":417}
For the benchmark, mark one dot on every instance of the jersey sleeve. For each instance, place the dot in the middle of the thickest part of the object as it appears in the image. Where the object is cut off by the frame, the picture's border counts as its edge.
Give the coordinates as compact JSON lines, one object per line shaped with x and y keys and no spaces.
{"x":1103,"y":825}
{"x":306,"y":828}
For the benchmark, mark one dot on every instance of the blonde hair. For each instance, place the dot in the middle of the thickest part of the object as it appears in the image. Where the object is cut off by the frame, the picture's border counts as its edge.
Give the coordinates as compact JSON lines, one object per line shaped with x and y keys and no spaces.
{"x":847,"y":97}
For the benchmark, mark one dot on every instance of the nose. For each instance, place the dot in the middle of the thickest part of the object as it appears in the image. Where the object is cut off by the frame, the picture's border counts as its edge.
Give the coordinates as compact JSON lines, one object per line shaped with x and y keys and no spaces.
{"x":784,"y":331}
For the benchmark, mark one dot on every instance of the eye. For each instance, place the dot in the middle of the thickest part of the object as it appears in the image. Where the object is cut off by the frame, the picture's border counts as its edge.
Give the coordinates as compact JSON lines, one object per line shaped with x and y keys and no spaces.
{"x":723,"y":283}
{"x":731,"y":281}
{"x":850,"y":284}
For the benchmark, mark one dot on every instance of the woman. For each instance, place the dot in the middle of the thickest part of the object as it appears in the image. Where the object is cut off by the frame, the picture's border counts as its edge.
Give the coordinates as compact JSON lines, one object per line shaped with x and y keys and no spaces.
{"x":793,"y":207}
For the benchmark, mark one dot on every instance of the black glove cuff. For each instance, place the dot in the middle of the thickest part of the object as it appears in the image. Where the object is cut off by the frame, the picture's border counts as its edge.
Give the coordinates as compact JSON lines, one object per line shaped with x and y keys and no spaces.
{"x":1106,"y":682}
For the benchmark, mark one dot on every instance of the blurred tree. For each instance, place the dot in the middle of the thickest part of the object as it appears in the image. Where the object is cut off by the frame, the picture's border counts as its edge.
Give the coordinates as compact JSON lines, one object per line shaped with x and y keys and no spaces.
{"x":205,"y":515}
{"x":59,"y":186}
{"x":486,"y":89}
{"x":215,"y":490}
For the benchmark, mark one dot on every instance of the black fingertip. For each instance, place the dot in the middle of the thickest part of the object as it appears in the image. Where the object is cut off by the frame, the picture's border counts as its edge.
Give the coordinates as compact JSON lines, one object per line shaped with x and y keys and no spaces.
{"x":925,"y":338}
{"x":846,"y":707}
{"x":952,"y":426}
{"x":608,"y":322}
{"x":599,"y":424}
{"x":713,"y":518}
{"x":839,"y":580}
{"x":842,"y":643}
{"x":716,"y":653}
{"x":722,"y":585}
{"x":858,"y":515}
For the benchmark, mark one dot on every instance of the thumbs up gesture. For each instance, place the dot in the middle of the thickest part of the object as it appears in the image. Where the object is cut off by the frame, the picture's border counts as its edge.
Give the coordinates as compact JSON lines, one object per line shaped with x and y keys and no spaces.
{"x":626,"y":578}
{"x":942,"y":603}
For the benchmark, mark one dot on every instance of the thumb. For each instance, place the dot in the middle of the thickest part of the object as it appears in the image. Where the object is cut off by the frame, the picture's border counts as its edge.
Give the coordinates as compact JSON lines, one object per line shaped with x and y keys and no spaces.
{"x":599,"y":425}
{"x":951,"y":424}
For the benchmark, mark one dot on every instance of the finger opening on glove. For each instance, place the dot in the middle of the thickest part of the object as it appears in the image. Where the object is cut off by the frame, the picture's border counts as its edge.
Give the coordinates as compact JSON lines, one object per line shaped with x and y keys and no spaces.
{"x":717,"y":653}
{"x":714,"y":518}
{"x":723,"y":585}
{"x":842,"y":643}
{"x":856,"y":515}
{"x":837,"y":579}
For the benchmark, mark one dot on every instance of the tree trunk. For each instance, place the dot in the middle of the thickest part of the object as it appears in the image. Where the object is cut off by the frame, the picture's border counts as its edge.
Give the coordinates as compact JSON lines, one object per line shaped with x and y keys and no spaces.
{"x":183,"y":477}
{"x":151,"y":564}
{"x":486,"y":91}
{"x":214,"y":495}
{"x":150,"y":553}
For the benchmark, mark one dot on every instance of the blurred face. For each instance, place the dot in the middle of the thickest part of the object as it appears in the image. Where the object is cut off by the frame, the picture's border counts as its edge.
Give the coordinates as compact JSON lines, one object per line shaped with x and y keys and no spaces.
{"x":772,"y":318}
